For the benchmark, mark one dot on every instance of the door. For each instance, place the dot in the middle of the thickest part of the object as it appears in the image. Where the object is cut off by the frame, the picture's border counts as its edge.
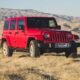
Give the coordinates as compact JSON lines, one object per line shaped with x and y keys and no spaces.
{"x":11,"y":33}
{"x":20,"y":34}
{"x":6,"y":28}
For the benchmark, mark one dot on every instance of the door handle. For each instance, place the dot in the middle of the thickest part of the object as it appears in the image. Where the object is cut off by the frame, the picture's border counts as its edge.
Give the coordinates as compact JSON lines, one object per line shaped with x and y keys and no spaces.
{"x":16,"y":32}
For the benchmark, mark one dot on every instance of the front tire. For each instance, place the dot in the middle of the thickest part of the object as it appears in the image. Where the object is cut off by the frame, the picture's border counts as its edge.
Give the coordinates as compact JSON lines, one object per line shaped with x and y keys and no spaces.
{"x":34,"y":49}
{"x":72,"y":52}
{"x":8,"y":52}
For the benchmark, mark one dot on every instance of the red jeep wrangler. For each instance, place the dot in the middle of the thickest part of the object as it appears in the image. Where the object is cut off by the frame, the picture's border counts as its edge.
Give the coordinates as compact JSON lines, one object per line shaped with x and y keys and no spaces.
{"x":37,"y":35}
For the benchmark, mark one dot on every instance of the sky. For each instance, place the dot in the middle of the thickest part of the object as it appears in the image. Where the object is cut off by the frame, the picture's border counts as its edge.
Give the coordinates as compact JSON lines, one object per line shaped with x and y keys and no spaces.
{"x":61,"y":7}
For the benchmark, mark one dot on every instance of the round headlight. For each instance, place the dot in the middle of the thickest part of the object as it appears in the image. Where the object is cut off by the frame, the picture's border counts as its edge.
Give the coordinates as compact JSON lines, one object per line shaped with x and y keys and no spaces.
{"x":46,"y":36}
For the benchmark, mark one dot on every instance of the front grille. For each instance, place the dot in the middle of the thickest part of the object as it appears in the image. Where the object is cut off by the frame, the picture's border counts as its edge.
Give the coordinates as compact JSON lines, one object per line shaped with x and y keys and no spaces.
{"x":59,"y":37}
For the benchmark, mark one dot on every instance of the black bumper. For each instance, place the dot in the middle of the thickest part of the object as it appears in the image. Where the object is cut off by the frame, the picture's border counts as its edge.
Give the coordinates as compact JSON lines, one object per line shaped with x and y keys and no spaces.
{"x":51,"y":47}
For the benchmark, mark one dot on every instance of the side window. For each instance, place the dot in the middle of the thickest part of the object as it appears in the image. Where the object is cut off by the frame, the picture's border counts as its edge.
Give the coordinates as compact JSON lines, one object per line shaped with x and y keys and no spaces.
{"x":21,"y":24}
{"x":12,"y":25}
{"x":6,"y":25}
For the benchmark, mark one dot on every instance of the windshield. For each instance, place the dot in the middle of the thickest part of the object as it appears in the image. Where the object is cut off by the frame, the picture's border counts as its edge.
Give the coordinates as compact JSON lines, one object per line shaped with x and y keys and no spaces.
{"x":41,"y":22}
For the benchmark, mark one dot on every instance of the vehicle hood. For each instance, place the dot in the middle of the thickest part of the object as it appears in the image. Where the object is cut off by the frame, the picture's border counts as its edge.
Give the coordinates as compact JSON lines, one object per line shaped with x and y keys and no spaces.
{"x":42,"y":31}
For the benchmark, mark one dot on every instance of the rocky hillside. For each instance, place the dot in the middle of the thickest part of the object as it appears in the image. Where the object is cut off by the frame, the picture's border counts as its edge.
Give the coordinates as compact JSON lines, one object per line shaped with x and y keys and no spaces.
{"x":67,"y":22}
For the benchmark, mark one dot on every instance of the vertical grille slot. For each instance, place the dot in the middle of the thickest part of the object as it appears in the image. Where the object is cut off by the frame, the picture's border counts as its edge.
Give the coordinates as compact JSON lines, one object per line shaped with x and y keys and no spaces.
{"x":63,"y":37}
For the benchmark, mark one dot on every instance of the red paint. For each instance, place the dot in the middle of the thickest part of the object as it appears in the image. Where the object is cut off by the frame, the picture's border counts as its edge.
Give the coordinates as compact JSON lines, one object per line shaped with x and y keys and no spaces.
{"x":19,"y":38}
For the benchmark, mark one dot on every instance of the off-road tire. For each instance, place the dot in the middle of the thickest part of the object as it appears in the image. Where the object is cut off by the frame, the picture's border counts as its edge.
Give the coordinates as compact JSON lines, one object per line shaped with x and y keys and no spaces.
{"x":34,"y":50}
{"x":74,"y":52}
{"x":7,"y":52}
{"x":71,"y":52}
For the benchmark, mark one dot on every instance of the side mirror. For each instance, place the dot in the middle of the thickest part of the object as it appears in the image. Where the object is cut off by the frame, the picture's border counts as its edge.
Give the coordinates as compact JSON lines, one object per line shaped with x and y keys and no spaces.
{"x":58,"y":27}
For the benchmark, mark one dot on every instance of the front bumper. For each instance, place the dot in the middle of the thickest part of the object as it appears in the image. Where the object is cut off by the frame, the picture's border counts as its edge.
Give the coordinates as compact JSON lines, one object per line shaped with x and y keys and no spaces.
{"x":51,"y":46}
{"x":56,"y":45}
